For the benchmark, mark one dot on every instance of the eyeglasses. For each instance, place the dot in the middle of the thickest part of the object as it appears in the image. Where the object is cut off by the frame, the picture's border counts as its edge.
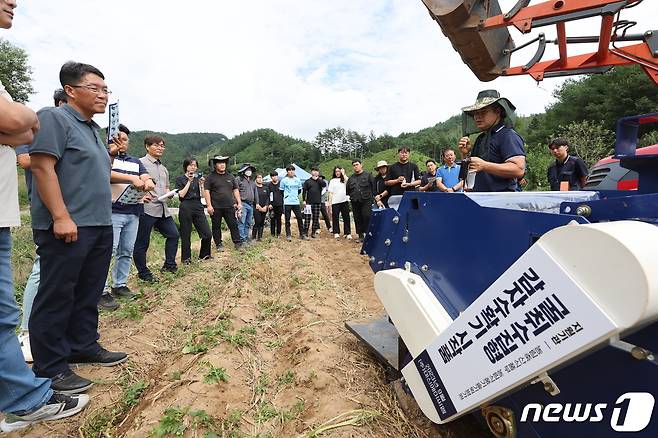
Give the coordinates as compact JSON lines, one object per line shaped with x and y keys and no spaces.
{"x":93,"y":89}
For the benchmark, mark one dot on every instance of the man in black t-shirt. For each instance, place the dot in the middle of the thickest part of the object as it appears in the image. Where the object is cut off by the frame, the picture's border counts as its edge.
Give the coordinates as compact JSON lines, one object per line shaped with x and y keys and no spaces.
{"x":403,"y":175}
{"x":222,"y":201}
{"x":312,"y":194}
{"x":566,"y":168}
{"x":276,"y":204}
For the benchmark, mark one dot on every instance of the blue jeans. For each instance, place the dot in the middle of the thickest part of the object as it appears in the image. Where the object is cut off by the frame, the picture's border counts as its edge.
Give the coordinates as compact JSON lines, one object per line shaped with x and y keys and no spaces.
{"x":20,"y":390}
{"x":31,"y":289}
{"x":124,"y":227}
{"x":245,"y":221}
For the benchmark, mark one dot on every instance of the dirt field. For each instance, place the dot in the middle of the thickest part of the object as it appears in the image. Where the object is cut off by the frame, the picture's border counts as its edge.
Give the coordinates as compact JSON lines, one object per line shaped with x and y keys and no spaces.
{"x":249,"y":344}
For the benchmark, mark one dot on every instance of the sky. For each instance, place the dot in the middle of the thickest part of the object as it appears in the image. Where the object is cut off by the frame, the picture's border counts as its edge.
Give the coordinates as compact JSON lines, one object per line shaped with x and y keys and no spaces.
{"x":296,"y":66}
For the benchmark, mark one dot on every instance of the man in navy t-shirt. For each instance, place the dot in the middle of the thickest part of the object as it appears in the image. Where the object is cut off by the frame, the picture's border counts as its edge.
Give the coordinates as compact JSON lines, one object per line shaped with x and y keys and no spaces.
{"x":498,"y":156}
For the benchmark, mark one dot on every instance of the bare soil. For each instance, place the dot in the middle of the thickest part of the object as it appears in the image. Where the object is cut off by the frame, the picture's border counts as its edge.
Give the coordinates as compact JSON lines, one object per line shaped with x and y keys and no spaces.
{"x":249,"y":344}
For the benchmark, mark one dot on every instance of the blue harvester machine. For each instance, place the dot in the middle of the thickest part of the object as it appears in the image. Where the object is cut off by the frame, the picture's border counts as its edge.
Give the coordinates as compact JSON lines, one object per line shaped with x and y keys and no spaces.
{"x":508,"y":303}
{"x":538,"y":310}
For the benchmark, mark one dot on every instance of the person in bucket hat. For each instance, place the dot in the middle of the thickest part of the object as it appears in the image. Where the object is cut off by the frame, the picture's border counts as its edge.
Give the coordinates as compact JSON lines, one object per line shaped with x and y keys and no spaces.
{"x":249,"y":195}
{"x":498,"y":155}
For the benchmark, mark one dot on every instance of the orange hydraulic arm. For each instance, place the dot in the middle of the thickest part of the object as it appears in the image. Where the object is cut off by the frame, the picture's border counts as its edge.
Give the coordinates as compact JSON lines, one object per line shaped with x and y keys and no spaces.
{"x":560,"y":11}
{"x":478,"y":31}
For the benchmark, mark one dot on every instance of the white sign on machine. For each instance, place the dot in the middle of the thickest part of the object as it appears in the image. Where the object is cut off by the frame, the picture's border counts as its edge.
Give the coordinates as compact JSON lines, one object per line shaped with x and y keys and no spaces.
{"x":533,"y":316}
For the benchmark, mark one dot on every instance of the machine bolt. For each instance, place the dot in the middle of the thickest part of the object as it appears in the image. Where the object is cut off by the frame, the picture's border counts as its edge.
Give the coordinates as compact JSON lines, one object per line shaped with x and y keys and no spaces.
{"x":640,"y":353}
{"x":372,"y":259}
{"x":387,"y":242}
{"x":584,"y":210}
{"x":424,"y":268}
{"x":405,"y":239}
{"x":396,"y":219}
{"x":412,"y":281}
{"x":392,"y":264}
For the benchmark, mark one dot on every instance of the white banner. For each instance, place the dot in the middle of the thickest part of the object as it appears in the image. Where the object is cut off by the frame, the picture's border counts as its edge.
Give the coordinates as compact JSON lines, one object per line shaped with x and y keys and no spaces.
{"x":529,"y":320}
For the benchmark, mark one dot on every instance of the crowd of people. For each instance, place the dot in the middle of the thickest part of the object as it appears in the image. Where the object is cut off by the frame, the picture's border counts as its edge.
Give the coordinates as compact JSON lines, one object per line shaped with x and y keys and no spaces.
{"x":87,"y":238}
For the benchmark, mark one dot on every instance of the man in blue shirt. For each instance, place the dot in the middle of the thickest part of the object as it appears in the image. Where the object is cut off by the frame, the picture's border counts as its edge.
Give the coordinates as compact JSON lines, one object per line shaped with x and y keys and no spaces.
{"x":498,"y":156}
{"x":291,"y":186}
{"x":449,"y":173}
{"x":125,"y":220}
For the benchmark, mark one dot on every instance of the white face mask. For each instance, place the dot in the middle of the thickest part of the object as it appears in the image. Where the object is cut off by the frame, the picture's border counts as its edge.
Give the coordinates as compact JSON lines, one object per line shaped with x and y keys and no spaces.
{"x":247,"y":173}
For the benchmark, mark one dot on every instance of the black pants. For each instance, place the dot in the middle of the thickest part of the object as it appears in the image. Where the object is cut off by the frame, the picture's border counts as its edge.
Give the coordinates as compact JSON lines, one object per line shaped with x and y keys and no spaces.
{"x":191,"y":213}
{"x":298,"y":215}
{"x":361,"y":211}
{"x":275,"y":221}
{"x":64,"y":318}
{"x":167,"y":227}
{"x":337,"y":210}
{"x":259,"y":224}
{"x":325,"y":215}
{"x":228,"y":213}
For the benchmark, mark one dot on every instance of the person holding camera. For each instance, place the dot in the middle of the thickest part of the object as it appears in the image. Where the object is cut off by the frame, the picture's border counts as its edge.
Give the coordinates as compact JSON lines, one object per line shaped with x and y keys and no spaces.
{"x":190,"y":188}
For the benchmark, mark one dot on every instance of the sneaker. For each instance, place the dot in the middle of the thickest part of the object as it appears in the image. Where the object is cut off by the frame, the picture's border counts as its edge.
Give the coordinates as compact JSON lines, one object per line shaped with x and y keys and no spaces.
{"x":348,"y":236}
{"x":69,"y":383}
{"x":289,"y":238}
{"x":59,"y":406}
{"x":317,"y":232}
{"x":24,"y":339}
{"x":123,"y":292}
{"x":336,"y":236}
{"x":103,"y":358}
{"x":303,"y":237}
{"x":107,"y":302}
{"x":314,"y":235}
{"x":219,"y":248}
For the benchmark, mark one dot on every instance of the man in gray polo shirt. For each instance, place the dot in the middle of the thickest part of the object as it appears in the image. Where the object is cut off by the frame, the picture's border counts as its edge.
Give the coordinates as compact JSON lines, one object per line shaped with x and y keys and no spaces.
{"x":72,"y":225}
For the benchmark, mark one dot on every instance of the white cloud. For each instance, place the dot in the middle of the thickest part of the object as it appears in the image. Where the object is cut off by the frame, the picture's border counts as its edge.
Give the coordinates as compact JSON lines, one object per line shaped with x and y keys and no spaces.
{"x":291,"y":65}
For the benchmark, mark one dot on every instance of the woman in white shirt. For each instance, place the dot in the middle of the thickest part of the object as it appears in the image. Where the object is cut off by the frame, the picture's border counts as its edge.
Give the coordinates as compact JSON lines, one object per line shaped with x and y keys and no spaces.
{"x":339,"y":202}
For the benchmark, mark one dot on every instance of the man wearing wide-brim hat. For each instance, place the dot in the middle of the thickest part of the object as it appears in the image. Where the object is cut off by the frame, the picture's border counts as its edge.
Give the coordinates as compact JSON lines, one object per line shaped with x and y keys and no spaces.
{"x":381,"y":191}
{"x":498,"y":155}
{"x":222,"y":201}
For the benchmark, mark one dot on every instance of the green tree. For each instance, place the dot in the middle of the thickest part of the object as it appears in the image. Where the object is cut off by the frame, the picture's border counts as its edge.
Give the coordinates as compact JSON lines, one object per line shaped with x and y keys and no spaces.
{"x":591,"y":141}
{"x":15,"y":73}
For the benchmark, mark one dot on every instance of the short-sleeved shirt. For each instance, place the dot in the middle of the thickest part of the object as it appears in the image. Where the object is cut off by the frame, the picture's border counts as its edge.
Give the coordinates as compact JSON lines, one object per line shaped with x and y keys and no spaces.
{"x":83,"y":168}
{"x":504,"y":143}
{"x":160,"y":175}
{"x":337,"y":188}
{"x":408,"y":170}
{"x":130,"y":166}
{"x":221,"y":188}
{"x":449,"y":175}
{"x":193,"y":193}
{"x":9,"y":213}
{"x":276,"y":195}
{"x":291,"y":188}
{"x":425,"y":180}
{"x":572,"y":170}
{"x":25,"y":150}
{"x":247,"y":188}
